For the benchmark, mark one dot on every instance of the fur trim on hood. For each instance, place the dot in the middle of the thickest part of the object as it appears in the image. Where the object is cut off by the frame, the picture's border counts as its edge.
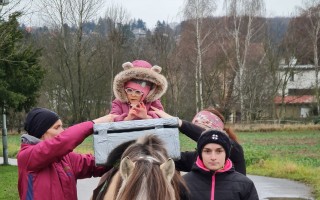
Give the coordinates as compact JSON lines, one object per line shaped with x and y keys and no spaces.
{"x":147,"y":73}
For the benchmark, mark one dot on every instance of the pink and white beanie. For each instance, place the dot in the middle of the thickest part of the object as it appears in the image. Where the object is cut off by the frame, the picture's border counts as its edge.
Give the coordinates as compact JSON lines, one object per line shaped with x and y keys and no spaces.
{"x":208,"y":120}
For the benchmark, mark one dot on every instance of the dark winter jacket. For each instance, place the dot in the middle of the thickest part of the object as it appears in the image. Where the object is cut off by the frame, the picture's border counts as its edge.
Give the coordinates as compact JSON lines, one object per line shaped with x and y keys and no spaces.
{"x":193,"y":131}
{"x":224,"y":184}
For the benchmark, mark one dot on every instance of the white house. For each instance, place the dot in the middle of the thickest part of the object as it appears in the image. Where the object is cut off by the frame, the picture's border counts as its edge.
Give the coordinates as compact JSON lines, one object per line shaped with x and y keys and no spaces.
{"x":300,"y":78}
{"x":299,"y":83}
{"x":139,"y":33}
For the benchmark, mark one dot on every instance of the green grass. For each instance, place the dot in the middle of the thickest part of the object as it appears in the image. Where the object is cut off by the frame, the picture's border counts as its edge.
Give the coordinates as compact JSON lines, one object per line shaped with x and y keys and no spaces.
{"x":285,"y":154}
{"x":13,"y":142}
{"x":9,"y":182}
{"x":301,"y":147}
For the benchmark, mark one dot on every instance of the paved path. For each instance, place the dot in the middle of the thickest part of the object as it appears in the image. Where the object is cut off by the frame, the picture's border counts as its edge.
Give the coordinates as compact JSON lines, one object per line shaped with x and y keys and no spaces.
{"x":267,"y":187}
{"x":277,"y":187}
{"x":10,"y":160}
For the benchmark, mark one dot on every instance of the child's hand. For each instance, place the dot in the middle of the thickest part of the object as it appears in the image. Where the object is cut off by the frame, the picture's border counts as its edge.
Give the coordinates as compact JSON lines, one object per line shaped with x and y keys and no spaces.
{"x":141,"y":111}
{"x":131,"y":115}
{"x":160,"y":113}
{"x":163,"y":114}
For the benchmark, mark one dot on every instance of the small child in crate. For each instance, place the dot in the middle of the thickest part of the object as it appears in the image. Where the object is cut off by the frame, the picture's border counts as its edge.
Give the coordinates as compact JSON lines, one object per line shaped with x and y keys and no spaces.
{"x":136,"y":89}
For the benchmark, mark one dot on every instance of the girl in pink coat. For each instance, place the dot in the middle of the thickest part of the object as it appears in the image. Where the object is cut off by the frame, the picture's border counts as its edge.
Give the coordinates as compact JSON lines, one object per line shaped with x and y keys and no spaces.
{"x":136,"y":89}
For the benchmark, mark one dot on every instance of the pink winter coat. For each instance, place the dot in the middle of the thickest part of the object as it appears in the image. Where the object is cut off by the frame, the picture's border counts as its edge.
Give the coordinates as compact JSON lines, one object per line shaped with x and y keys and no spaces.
{"x":48,"y":169}
{"x":122,"y":109}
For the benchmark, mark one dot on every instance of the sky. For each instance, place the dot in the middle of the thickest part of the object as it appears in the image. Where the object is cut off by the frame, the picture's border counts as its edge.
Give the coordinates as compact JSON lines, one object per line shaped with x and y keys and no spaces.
{"x":169,"y":11}
{"x":151,"y":11}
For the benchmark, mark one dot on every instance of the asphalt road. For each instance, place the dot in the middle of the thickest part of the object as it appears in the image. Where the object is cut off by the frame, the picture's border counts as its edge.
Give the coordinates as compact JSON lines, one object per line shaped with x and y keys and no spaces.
{"x":277,"y":188}
{"x":268,"y":188}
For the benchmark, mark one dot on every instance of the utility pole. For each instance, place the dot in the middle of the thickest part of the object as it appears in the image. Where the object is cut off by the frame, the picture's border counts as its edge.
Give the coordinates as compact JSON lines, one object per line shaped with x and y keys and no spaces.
{"x":4,"y":120}
{"x":4,"y":137}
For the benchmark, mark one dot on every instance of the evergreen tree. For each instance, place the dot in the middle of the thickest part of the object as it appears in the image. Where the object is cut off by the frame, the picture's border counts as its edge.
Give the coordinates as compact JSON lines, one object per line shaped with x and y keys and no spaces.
{"x":138,"y":24}
{"x":20,"y":73}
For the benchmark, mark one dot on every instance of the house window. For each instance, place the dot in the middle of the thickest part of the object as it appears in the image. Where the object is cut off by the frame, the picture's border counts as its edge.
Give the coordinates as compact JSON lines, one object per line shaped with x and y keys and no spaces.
{"x":291,"y":78}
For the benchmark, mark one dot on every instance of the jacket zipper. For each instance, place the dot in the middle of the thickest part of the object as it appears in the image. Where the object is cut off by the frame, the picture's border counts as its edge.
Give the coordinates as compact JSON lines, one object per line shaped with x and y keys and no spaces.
{"x":213,"y":182}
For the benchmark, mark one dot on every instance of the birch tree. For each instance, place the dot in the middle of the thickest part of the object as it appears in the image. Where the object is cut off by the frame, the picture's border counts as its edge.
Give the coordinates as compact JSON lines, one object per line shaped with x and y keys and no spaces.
{"x":241,"y":27}
{"x":196,"y":11}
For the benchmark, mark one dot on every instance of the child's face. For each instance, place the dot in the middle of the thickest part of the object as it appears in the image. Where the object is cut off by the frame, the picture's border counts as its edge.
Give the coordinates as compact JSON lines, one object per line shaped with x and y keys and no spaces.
{"x":134,"y":96}
{"x":213,"y":156}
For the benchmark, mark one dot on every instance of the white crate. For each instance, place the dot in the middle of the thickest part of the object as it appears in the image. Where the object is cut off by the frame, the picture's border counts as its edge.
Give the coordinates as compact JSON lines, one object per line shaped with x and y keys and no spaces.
{"x":107,"y":136}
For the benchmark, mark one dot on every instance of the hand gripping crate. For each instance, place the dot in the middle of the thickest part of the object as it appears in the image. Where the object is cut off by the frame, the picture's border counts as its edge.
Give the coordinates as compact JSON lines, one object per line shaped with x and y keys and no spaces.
{"x":107,"y":136}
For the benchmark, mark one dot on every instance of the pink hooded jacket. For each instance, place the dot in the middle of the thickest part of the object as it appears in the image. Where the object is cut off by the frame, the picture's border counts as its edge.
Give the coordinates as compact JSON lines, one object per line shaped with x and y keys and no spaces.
{"x":122,"y":109}
{"x":139,"y":70}
{"x":48,"y":169}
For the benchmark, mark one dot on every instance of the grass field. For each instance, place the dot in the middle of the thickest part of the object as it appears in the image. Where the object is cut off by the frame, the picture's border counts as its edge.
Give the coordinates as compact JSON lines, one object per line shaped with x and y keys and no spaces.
{"x":292,"y":154}
{"x":285,"y":154}
{"x":9,"y":182}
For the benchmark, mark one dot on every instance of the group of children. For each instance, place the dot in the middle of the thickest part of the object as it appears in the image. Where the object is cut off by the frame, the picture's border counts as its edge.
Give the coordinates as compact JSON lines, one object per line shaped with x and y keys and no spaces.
{"x":48,"y":168}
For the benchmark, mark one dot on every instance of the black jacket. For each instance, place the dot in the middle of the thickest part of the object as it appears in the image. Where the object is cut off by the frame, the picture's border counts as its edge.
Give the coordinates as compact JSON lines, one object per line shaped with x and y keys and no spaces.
{"x":225,"y":184}
{"x":188,"y":158}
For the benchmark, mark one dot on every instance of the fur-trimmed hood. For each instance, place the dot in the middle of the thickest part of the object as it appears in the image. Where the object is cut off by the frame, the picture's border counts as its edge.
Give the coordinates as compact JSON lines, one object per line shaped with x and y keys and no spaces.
{"x":141,"y":70}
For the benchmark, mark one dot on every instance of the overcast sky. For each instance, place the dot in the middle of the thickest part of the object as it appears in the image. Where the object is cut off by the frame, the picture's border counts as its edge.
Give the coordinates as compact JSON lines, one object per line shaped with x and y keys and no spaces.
{"x":151,"y":11}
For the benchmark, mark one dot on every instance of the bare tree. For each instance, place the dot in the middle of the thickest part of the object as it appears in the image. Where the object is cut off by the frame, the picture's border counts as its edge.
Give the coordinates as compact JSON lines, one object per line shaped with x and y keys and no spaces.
{"x":116,"y":18}
{"x":7,"y":7}
{"x":163,"y":53}
{"x":241,"y":27}
{"x":196,"y":11}
{"x":74,"y":49}
{"x":257,"y":86}
{"x":277,"y":48}
{"x":312,"y":28}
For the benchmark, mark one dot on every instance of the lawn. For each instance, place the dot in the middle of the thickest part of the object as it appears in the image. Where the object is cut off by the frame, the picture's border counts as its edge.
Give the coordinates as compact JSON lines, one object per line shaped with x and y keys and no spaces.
{"x":286,"y":154}
{"x":9,"y":182}
{"x":301,"y":147}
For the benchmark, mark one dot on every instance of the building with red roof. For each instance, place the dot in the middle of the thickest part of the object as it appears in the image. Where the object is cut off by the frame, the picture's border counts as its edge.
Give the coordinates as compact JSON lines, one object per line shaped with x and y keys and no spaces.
{"x":298,"y":99}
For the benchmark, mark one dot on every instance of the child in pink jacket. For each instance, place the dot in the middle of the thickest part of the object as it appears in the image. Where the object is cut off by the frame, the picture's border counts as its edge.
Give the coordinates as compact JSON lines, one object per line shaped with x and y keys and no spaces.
{"x":136,"y":89}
